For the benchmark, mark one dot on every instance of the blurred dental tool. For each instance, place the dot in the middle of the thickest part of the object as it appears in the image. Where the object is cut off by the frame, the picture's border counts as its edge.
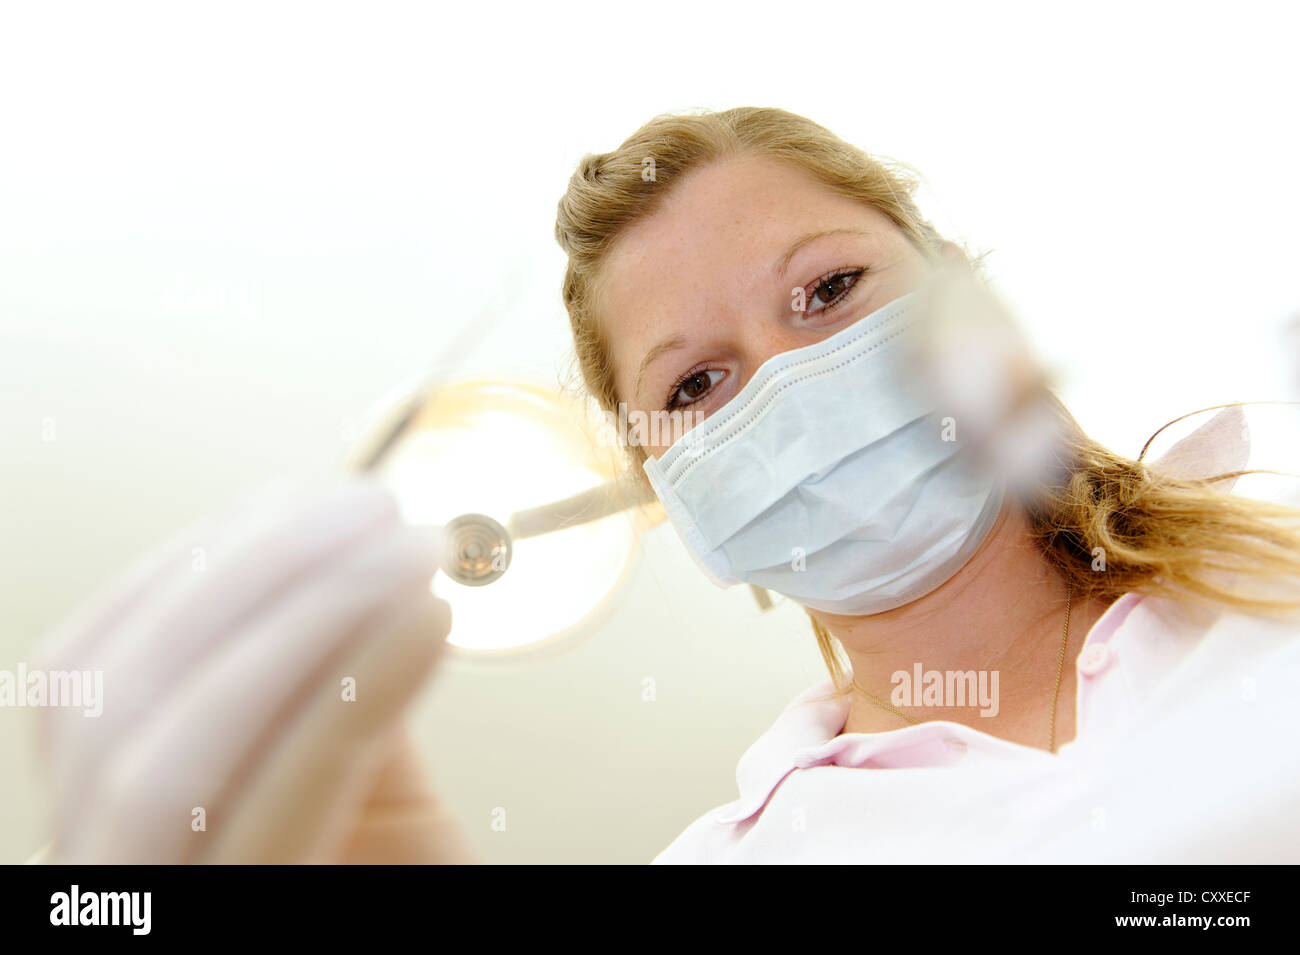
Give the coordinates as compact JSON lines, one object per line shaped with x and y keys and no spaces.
{"x":974,"y":361}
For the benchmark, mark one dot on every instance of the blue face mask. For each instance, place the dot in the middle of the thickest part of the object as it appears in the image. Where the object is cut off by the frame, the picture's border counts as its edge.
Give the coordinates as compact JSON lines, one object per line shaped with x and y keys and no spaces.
{"x":831,"y":478}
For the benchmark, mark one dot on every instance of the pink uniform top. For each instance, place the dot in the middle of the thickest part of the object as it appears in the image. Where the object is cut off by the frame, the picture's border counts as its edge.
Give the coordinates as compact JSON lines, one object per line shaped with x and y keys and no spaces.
{"x":1187,"y":750}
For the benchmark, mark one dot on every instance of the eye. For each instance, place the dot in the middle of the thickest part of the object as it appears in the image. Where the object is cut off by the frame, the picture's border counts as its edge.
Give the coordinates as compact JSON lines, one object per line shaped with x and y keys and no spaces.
{"x":831,"y":289}
{"x":693,"y":385}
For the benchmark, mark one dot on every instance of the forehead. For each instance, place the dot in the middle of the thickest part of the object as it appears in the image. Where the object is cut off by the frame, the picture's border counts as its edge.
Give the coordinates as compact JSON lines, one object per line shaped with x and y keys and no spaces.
{"x":713,"y":240}
{"x":724,"y":211}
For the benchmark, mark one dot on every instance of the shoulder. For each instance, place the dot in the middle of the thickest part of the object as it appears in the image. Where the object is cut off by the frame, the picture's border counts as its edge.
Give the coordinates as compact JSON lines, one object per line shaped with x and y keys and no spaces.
{"x":813,"y":717}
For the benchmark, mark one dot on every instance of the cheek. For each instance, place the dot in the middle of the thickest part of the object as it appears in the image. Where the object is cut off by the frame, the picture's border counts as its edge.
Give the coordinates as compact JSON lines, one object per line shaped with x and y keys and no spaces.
{"x":630,"y":430}
{"x":648,"y":435}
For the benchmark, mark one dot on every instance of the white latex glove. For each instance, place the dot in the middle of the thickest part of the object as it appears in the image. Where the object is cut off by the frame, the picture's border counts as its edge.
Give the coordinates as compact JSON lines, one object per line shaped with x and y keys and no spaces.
{"x":223,"y":686}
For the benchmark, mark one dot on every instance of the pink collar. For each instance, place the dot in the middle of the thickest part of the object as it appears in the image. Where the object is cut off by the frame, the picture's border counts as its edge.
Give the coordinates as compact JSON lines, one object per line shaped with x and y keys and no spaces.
{"x":808,"y":733}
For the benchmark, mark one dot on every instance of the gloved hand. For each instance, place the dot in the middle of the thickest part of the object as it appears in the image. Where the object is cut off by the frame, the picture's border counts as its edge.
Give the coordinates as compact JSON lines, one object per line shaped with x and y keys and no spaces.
{"x":228,"y":732}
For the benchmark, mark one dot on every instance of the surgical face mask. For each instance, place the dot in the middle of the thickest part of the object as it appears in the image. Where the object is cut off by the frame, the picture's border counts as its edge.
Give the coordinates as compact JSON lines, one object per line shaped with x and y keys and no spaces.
{"x":830,"y":478}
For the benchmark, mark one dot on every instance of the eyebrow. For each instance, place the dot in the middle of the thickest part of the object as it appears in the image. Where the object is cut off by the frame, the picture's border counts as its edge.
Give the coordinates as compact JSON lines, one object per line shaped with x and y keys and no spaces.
{"x":668,"y":344}
{"x":778,"y":268}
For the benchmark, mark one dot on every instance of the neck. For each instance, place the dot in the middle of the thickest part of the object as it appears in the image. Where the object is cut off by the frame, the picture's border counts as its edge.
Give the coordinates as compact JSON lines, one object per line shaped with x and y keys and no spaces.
{"x":1002,"y":616}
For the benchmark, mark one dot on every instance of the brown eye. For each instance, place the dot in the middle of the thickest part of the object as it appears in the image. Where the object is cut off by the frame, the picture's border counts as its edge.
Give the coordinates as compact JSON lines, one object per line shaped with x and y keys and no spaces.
{"x":695,"y":386}
{"x":832,"y":289}
{"x":691,"y":387}
{"x":828,"y":292}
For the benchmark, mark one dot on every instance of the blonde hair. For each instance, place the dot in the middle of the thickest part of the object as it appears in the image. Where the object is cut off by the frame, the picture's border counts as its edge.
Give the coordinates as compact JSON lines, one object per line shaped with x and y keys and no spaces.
{"x":1159,"y":534}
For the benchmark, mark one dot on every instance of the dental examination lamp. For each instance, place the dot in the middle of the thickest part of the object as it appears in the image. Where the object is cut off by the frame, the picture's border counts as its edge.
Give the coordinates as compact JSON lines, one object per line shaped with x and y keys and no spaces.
{"x":528,"y":498}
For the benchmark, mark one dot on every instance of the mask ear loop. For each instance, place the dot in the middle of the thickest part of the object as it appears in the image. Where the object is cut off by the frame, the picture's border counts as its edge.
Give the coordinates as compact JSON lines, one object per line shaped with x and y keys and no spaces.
{"x":1230,"y":404}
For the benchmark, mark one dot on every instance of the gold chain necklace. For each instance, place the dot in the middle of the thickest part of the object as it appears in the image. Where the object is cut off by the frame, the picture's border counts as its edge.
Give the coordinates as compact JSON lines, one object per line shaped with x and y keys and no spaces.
{"x":1060,"y":668}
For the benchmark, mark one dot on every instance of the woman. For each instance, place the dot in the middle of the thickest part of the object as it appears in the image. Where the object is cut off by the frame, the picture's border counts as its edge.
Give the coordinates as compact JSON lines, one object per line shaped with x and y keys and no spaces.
{"x":751,"y":267}
{"x":679,"y":291}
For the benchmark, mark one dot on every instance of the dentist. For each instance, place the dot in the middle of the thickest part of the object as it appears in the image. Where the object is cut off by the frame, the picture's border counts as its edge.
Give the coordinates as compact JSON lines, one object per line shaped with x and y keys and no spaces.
{"x":753,"y":268}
